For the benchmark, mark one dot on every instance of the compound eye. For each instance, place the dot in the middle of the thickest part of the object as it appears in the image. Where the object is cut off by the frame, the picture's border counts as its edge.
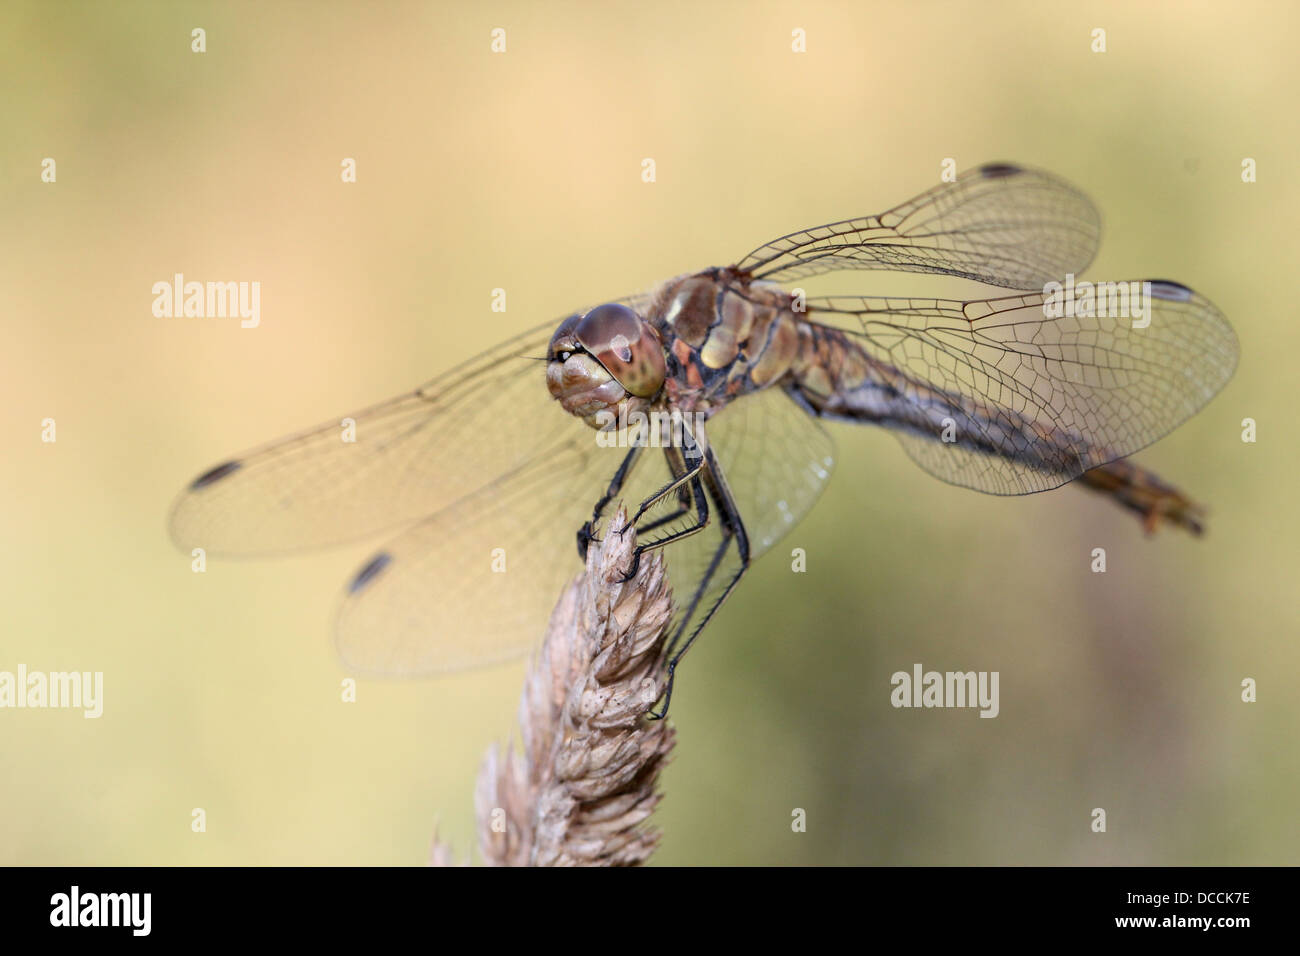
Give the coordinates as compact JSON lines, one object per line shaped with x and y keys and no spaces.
{"x":626,"y":345}
{"x":609,"y":326}
{"x":562,"y":343}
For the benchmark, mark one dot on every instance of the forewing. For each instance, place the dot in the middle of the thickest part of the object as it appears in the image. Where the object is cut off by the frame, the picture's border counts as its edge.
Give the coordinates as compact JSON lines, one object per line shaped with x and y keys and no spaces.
{"x":1000,"y":224}
{"x":411,"y":457}
{"x":1036,"y":401}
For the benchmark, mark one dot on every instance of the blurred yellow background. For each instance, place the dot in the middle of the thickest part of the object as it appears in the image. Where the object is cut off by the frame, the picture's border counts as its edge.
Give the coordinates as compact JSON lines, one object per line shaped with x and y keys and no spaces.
{"x":522,"y":170}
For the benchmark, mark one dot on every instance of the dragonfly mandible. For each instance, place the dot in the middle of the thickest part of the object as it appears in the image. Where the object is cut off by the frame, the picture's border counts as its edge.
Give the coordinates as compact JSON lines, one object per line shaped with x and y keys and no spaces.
{"x":704,"y":401}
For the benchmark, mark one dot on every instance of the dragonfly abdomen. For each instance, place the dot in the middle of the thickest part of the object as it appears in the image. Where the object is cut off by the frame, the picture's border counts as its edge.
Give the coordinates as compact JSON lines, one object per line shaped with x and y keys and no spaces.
{"x":838,"y":379}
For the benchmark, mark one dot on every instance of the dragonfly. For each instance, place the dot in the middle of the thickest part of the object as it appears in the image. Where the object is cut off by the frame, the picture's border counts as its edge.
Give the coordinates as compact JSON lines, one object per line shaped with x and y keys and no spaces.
{"x":706,"y":401}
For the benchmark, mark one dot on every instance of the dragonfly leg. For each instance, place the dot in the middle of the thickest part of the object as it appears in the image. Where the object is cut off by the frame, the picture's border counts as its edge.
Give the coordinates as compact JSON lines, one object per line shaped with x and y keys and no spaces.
{"x":685,"y":494}
{"x":733,"y":532}
{"x":692,"y":498}
{"x":688,"y":485}
{"x":682,"y":484}
{"x":586,"y":534}
{"x":685,"y":504}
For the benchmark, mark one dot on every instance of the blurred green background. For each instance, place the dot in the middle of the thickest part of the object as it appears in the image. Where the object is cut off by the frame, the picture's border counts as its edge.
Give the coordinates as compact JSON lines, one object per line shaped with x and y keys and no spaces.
{"x":522,"y":171}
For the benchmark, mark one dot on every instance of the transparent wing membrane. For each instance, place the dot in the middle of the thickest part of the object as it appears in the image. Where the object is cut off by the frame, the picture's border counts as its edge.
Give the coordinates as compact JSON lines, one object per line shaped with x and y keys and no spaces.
{"x":777,"y":459}
{"x":1000,"y":224}
{"x":411,"y":456}
{"x":475,"y":582}
{"x":489,"y":479}
{"x":995,"y":395}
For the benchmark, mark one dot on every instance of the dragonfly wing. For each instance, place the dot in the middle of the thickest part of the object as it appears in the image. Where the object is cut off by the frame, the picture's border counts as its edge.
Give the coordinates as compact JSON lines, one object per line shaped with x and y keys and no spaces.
{"x":407,"y":458}
{"x":998,"y":396}
{"x":999,"y":224}
{"x":475,"y":583}
{"x":777,"y":460}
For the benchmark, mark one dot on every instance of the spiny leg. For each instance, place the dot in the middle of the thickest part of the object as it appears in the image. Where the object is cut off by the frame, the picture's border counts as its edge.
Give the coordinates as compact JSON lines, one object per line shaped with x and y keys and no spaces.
{"x":691,"y":494}
{"x":732,"y":530}
{"x":683,"y":476}
{"x":685,"y":499}
{"x":586,"y":534}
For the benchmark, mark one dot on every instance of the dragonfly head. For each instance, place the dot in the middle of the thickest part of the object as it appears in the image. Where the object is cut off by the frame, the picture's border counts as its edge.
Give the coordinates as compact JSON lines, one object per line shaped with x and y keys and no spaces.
{"x":609,"y":360}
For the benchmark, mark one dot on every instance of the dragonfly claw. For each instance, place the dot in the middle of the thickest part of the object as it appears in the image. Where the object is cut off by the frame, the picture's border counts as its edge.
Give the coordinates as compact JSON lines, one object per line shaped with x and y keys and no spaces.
{"x":634,"y":567}
{"x":586,"y":536}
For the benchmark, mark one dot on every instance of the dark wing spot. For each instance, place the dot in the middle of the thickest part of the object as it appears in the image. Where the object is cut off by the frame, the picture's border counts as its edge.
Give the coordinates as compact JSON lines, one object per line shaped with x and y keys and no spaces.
{"x":999,"y":170}
{"x":373,"y":568}
{"x":1173,"y":291}
{"x":213,"y":475}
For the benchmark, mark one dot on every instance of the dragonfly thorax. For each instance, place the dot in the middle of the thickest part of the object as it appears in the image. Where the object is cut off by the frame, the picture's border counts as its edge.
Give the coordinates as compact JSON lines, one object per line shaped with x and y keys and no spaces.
{"x":726,"y":335}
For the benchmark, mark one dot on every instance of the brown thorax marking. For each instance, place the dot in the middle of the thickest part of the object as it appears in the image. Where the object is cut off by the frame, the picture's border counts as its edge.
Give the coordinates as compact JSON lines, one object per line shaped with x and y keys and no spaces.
{"x":727,"y":335}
